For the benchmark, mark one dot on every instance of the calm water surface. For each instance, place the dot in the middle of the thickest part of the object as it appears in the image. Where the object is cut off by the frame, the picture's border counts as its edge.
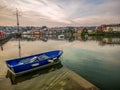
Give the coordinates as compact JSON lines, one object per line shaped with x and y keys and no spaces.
{"x":99,"y":64}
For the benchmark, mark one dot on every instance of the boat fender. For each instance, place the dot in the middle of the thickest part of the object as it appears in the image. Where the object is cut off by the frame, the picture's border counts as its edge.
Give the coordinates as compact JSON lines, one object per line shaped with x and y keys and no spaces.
{"x":51,"y":61}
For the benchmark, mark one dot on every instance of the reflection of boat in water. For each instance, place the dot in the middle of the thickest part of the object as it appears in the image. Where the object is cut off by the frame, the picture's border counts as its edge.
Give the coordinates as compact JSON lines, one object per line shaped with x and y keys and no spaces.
{"x":28,"y":37}
{"x":61,"y":37}
{"x":30,"y":63}
{"x":36,"y":73}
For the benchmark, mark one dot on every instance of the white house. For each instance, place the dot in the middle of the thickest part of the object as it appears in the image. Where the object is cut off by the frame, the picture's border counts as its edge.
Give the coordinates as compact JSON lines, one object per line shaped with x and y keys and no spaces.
{"x":112,"y":27}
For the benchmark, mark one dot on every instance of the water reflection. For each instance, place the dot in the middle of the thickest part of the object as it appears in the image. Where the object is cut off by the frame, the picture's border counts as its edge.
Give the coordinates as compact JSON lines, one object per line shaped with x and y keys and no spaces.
{"x":110,"y":41}
{"x":100,"y":39}
{"x":99,"y":65}
{"x":2,"y":42}
{"x":1,"y":48}
{"x":14,"y":80}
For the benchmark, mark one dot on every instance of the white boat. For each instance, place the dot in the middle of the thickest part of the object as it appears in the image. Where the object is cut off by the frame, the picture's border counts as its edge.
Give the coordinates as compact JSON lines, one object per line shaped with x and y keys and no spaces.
{"x":61,"y":37}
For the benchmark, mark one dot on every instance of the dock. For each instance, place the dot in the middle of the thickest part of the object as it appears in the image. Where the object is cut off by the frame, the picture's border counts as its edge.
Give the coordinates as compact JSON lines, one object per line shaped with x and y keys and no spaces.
{"x":59,"y":79}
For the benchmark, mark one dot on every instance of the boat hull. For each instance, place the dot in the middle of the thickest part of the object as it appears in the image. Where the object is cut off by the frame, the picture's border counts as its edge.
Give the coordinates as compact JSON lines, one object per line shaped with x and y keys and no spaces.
{"x":22,"y":65}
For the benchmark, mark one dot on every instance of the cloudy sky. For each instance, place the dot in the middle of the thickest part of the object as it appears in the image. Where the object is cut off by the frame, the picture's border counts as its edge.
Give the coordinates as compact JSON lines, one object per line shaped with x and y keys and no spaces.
{"x":60,"y":12}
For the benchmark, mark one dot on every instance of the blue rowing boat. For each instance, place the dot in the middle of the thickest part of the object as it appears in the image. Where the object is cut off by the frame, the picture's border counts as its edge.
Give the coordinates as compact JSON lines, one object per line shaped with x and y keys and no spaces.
{"x":29,"y":63}
{"x":14,"y":80}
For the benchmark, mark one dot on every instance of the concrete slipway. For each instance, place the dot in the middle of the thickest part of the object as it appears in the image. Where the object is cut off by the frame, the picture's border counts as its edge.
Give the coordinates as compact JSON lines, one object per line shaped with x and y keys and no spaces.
{"x":51,"y":79}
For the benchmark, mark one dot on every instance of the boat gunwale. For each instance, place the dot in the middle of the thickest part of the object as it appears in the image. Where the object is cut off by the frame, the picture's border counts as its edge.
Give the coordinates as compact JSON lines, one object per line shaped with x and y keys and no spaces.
{"x":10,"y":66}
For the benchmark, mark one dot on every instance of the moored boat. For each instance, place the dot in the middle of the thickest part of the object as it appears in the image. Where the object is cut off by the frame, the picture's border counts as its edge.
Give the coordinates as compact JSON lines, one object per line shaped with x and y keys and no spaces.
{"x":29,"y":63}
{"x":61,"y":37}
{"x":14,"y":80}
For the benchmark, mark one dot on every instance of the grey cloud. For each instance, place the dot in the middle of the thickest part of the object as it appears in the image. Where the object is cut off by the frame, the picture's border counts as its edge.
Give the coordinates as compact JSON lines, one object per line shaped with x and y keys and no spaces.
{"x":61,"y":12}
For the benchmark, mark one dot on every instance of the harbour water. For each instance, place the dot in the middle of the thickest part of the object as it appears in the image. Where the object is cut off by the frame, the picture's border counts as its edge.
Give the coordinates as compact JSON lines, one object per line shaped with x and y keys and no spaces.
{"x":97,"y":60}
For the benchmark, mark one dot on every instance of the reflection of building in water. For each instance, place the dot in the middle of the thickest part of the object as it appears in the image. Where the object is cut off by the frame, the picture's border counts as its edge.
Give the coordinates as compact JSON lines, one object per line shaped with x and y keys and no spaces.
{"x":110,"y":41}
{"x":78,"y":34}
{"x":28,"y":37}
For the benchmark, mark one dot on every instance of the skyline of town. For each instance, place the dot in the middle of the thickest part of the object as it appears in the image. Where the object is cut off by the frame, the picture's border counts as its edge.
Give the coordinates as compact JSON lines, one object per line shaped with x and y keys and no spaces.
{"x":59,"y":13}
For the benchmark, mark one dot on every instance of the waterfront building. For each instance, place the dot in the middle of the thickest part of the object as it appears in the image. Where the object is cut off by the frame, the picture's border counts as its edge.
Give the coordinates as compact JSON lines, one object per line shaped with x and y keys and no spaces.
{"x":37,"y":32}
{"x":0,"y":32}
{"x":79,"y":31}
{"x":110,"y":27}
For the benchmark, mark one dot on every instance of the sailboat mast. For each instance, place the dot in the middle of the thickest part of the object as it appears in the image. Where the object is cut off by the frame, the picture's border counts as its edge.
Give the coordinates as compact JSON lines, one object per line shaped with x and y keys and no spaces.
{"x":17,"y":19}
{"x":17,"y":16}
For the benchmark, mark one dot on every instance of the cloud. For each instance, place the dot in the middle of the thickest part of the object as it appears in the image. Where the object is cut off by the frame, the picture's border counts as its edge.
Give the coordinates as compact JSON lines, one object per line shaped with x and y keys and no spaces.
{"x":61,"y":12}
{"x":96,"y":20}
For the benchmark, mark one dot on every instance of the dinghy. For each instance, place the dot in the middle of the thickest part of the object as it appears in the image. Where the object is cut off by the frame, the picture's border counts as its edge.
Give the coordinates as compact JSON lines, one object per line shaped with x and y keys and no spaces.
{"x":29,"y":63}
